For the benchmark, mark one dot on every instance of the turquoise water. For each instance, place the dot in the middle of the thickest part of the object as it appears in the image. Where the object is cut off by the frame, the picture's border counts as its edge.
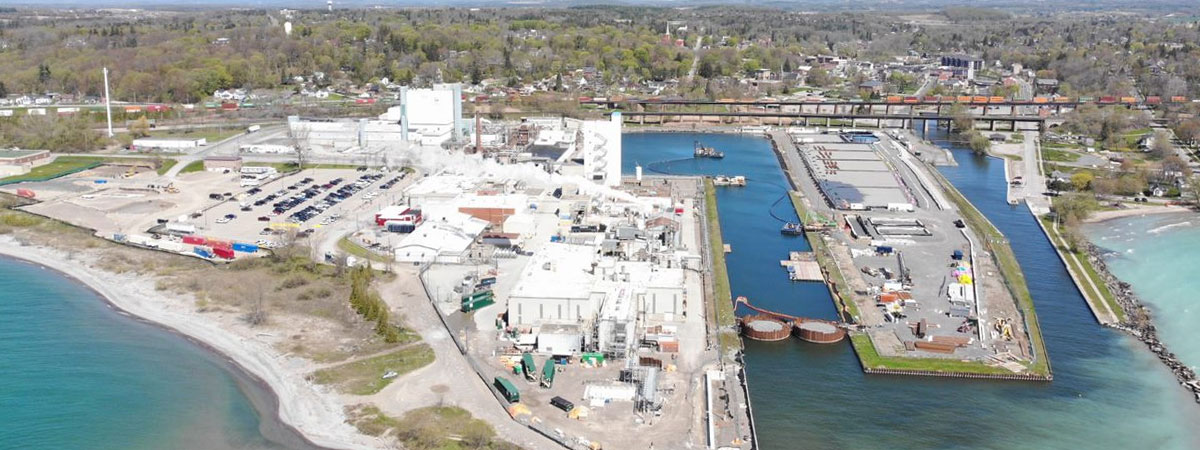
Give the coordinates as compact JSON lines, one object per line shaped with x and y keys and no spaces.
{"x":1158,"y":255}
{"x":1107,"y":393}
{"x":75,"y":374}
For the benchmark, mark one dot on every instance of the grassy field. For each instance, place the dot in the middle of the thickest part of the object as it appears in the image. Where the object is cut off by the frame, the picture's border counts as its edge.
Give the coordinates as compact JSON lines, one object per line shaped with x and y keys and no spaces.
{"x":194,"y":166}
{"x":1081,"y":266}
{"x":166,"y":166}
{"x":1006,"y":260}
{"x":871,"y":359}
{"x":365,"y":377}
{"x":1058,"y":154}
{"x":350,"y":247}
{"x":211,"y":134}
{"x":432,"y":427}
{"x":722,"y":297}
{"x":62,"y":165}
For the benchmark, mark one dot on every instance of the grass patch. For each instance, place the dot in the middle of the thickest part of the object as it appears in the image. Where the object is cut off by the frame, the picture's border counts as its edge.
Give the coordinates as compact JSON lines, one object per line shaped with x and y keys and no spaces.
{"x":62,"y":165}
{"x":1081,"y":266}
{"x":211,"y":134}
{"x":167,"y":164}
{"x":446,"y":428}
{"x":358,"y":251}
{"x":870,"y":358}
{"x":433,"y":427}
{"x":1010,"y":270}
{"x":722,"y":297}
{"x":365,"y":377}
{"x":1058,"y":155}
{"x":194,"y":166}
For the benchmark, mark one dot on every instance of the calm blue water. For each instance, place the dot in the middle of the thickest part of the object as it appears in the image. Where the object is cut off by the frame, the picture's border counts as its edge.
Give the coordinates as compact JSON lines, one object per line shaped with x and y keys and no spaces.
{"x":75,"y":374}
{"x":1157,"y":255}
{"x":1107,"y":392}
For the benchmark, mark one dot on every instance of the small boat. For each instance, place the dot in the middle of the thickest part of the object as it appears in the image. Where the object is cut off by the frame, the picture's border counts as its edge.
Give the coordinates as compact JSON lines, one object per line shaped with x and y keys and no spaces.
{"x":792,"y":229}
{"x":707,"y":152}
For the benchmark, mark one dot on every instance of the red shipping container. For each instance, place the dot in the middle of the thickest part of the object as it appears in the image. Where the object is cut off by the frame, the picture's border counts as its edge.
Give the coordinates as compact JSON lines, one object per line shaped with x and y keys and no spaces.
{"x":193,"y":240}
{"x":224,"y":253}
{"x":27,"y":193}
{"x":216,"y":243}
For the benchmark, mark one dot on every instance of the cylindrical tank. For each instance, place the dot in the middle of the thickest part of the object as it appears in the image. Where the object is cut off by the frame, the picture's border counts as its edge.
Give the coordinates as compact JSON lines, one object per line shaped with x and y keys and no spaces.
{"x":761,"y":327}
{"x":819,"y":332}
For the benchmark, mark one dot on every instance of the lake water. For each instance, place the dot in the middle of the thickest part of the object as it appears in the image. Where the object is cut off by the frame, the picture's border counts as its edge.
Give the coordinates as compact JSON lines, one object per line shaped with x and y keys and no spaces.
{"x":1107,"y":392}
{"x":1160,"y":256}
{"x":76,"y":374}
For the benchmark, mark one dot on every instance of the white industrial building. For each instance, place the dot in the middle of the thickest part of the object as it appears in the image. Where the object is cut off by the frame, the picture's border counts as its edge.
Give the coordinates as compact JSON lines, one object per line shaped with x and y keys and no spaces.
{"x":444,"y":238}
{"x":601,"y":146}
{"x":424,"y":117}
{"x":168,"y":144}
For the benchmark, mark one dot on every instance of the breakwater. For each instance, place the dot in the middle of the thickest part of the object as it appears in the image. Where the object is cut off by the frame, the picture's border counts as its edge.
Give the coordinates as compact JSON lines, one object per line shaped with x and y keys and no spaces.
{"x":1140,"y":324}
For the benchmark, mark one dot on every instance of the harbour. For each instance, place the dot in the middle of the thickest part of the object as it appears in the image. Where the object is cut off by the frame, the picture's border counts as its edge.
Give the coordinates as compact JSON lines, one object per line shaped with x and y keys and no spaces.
{"x":1100,"y":375}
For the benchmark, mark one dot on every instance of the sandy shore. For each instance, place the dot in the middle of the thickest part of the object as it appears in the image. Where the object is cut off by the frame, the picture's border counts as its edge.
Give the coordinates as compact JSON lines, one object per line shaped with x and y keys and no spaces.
{"x":1134,"y":211}
{"x":311,"y":410}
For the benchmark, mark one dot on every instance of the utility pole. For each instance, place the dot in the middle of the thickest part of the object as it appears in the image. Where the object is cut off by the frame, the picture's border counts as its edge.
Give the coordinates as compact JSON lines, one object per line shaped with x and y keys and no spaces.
{"x":108,"y":103}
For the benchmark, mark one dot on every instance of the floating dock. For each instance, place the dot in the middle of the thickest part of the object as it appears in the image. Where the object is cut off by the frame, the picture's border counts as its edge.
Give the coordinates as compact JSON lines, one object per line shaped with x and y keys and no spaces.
{"x":803,"y":266}
{"x":724,"y":180}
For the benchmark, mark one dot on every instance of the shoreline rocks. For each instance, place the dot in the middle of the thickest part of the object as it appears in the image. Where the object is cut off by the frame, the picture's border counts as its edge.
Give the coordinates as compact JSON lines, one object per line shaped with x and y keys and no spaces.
{"x":1139,"y":324}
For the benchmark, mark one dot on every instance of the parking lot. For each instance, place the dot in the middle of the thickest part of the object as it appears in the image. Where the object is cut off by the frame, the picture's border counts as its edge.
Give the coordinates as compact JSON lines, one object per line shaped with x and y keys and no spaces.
{"x":304,"y":202}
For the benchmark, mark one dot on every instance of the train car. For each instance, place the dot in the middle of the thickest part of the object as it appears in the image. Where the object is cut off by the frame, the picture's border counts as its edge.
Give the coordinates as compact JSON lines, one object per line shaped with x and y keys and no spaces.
{"x":1178,"y":99}
{"x":1040,"y":100}
{"x":895,"y":99}
{"x":963,"y":99}
{"x":157,"y":108}
{"x":979,"y":99}
{"x":1087,"y":99}
{"x":911,"y":100}
{"x":996,"y":99}
{"x":133,"y":109}
{"x":1108,"y":99}
{"x":1062,"y":99}
{"x":1153,"y":100}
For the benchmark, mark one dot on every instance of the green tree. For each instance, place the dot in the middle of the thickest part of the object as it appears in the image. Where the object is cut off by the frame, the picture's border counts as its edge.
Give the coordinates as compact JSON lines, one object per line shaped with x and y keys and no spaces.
{"x":979,"y":143}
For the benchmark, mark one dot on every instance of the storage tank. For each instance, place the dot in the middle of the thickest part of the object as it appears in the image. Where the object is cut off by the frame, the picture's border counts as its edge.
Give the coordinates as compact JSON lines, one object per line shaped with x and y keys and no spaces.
{"x":819,"y":332}
{"x":761,"y":327}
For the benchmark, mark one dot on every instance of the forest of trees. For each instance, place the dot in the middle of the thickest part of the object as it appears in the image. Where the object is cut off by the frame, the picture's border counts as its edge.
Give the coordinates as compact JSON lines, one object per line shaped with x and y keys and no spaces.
{"x":177,"y":57}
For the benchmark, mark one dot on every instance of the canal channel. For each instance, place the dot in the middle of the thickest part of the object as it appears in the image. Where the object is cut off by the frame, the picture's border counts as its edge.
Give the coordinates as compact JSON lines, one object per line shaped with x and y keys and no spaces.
{"x":1107,"y":392}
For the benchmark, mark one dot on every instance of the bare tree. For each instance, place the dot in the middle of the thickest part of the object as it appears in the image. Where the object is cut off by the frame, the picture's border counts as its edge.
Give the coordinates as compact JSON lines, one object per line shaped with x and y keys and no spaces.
{"x":298,"y":138}
{"x":258,"y":309}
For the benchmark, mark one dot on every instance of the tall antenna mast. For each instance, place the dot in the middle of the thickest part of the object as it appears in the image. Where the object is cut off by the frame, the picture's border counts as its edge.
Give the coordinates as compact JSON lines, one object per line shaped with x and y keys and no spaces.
{"x":108,"y":103}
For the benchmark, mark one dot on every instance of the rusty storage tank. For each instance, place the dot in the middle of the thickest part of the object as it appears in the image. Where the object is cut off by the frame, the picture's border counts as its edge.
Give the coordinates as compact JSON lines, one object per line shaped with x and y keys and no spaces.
{"x":762,"y":327}
{"x":819,"y":332}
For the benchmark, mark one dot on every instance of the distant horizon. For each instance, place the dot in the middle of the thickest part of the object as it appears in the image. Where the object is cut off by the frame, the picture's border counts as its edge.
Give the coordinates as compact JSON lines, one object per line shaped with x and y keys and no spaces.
{"x":812,"y":5}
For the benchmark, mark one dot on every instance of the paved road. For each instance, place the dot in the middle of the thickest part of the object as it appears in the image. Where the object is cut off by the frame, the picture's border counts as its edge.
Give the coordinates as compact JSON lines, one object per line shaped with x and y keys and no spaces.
{"x":696,"y":56}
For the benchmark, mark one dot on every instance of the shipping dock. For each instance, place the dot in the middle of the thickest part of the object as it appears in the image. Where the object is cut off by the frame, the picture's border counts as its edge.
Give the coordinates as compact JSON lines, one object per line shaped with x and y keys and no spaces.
{"x":904,"y":261}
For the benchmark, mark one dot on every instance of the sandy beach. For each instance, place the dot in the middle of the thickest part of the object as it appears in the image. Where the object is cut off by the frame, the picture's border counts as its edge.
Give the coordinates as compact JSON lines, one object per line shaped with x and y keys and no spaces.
{"x":310,"y":409}
{"x":1134,"y":211}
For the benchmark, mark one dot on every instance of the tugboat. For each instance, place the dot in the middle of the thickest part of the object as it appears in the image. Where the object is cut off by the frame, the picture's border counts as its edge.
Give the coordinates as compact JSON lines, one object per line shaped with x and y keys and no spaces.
{"x":707,"y":152}
{"x":792,"y":229}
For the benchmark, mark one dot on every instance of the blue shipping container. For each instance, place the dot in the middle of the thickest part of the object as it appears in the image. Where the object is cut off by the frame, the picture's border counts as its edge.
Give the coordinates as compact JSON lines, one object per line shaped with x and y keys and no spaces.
{"x":203,"y":252}
{"x":244,"y":248}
